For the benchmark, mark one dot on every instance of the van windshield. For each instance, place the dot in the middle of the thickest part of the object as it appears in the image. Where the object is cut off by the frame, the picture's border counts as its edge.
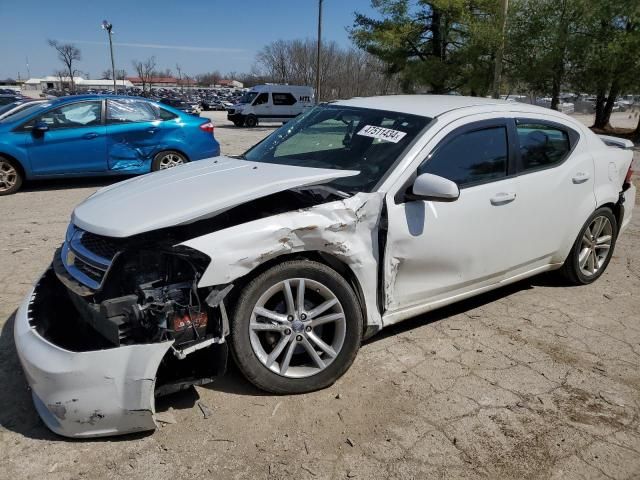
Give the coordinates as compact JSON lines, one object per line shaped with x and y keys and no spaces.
{"x":343,"y":138}
{"x":248,"y":97}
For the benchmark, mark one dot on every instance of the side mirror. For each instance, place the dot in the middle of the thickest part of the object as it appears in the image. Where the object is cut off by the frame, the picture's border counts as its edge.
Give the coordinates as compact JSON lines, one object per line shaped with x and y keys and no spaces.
{"x":39,"y":128}
{"x":435,"y":188}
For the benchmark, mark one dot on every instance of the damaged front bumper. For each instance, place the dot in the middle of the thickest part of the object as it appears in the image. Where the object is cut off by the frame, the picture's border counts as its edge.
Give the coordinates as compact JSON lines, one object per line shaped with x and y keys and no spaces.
{"x":92,"y":393}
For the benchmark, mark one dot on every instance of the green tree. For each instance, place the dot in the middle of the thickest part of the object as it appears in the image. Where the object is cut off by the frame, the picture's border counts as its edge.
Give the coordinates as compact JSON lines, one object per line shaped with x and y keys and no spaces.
{"x":543,"y":44}
{"x":610,"y":55}
{"x":444,"y":45}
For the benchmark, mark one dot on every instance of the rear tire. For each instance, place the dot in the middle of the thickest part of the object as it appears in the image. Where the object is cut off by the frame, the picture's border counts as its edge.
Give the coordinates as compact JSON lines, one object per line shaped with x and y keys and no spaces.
{"x":11,"y":177}
{"x":168,"y":159}
{"x":251,"y":121}
{"x":301,"y":345}
{"x":592,"y":250}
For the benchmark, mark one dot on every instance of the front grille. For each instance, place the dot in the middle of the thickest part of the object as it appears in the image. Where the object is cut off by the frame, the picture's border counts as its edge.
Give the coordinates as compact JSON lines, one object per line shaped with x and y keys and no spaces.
{"x":93,"y":273}
{"x":101,"y":246}
{"x":87,"y":257}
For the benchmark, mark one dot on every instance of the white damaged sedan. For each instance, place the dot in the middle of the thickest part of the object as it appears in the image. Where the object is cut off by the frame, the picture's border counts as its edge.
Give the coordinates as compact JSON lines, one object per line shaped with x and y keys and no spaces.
{"x":354,"y":216}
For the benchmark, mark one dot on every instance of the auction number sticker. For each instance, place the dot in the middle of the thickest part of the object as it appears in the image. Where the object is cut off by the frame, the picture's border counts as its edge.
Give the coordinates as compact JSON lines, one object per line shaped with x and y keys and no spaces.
{"x":381,"y":133}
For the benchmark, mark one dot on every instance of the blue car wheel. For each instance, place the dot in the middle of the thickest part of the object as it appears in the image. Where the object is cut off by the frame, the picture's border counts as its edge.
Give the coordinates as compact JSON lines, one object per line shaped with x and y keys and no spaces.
{"x":167,"y":159}
{"x":10,"y":177}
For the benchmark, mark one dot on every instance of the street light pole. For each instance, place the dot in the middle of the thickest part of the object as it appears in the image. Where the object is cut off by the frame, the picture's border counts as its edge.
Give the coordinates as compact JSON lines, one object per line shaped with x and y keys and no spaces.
{"x":318,"y":53}
{"x":107,"y":26}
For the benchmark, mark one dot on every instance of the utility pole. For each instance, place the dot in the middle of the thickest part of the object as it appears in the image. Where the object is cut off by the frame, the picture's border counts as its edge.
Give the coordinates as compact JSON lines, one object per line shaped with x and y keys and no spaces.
{"x":497,"y":70}
{"x":318,"y":53}
{"x":107,"y":26}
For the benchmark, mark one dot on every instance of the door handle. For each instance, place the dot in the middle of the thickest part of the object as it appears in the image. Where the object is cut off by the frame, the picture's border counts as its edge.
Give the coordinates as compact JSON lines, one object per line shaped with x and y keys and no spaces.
{"x":580,"y":177}
{"x":90,"y":135}
{"x":503,"y":198}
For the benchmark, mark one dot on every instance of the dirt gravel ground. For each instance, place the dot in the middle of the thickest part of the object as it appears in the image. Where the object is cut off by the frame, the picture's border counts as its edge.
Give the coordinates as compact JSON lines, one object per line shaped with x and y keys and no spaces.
{"x":533,"y":381}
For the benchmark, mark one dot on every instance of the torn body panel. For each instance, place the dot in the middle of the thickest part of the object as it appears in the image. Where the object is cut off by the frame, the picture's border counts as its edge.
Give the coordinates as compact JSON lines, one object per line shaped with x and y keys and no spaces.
{"x":87,"y":393}
{"x":345,"y":229}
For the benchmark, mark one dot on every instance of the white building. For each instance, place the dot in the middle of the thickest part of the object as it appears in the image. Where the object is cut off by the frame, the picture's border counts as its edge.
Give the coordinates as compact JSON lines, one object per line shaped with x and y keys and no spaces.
{"x":37,"y":85}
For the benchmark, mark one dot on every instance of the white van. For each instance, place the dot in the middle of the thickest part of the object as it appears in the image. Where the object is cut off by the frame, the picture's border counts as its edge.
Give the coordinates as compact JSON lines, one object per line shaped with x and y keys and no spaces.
{"x":271,"y":103}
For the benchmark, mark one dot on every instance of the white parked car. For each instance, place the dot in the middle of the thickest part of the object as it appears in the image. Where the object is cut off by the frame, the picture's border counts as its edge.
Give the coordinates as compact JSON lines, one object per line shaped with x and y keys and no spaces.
{"x":357,"y":215}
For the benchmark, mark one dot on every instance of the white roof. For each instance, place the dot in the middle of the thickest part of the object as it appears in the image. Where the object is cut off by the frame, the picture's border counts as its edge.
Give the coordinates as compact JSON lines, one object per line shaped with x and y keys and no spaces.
{"x":429,"y":105}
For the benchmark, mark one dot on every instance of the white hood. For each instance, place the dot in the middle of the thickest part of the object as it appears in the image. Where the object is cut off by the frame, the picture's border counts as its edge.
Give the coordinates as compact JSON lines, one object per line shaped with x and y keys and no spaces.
{"x":189,"y":193}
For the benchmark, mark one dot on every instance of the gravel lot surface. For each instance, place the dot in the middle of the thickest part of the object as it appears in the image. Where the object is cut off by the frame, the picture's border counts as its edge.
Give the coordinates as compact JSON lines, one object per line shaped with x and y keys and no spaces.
{"x":533,"y":381}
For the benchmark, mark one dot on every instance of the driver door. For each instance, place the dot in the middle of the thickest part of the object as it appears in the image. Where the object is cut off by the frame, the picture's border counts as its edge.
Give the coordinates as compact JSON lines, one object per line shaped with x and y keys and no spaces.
{"x":438,"y":250}
{"x":75,"y":141}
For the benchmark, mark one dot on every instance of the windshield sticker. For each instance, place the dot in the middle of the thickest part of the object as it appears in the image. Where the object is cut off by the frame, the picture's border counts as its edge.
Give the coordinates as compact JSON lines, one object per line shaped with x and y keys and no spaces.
{"x":381,"y":133}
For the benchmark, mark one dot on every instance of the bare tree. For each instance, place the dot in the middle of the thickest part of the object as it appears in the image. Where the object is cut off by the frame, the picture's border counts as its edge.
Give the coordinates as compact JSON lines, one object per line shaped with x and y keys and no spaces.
{"x":344,"y":72}
{"x":62,"y":78}
{"x":145,"y":71}
{"x":179,"y":69}
{"x":68,"y":54}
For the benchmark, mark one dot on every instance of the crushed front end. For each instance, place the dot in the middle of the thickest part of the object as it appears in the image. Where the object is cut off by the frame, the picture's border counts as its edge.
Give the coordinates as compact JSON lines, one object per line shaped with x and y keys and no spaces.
{"x":113,"y":324}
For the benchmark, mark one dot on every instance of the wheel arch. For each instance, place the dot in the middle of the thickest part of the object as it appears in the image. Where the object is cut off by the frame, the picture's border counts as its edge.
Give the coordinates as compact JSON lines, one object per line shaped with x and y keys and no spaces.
{"x":317,"y":256}
{"x":171,"y":149}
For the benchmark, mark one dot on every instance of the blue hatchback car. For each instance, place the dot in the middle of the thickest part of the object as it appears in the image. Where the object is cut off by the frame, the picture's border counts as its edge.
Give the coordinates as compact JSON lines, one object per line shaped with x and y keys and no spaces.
{"x":99,"y":135}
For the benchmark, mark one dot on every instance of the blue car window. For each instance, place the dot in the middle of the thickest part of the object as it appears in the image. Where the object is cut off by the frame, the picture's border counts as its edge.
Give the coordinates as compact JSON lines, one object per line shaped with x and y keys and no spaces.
{"x":128,"y":111}
{"x":75,"y":115}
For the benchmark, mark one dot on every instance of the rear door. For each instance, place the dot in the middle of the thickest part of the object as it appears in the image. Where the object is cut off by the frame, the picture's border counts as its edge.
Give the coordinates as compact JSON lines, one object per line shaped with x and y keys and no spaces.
{"x":555,"y":185}
{"x":74,"y":143}
{"x":134,"y":133}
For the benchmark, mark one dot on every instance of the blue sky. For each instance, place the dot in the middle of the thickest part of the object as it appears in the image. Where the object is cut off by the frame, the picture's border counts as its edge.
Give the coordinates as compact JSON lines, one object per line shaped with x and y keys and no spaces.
{"x":199,"y":35}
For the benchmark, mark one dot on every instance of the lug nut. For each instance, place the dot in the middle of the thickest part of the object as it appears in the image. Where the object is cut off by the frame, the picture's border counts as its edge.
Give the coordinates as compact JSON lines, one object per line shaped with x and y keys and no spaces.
{"x":303,"y":316}
{"x":287,"y":331}
{"x":290,"y":318}
{"x":308,"y":329}
{"x":299,"y":338}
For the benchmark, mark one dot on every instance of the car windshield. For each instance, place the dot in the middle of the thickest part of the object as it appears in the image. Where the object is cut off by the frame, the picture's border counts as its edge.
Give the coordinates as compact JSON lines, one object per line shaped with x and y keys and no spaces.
{"x":343,"y":138}
{"x":25,"y":112}
{"x":248,"y":97}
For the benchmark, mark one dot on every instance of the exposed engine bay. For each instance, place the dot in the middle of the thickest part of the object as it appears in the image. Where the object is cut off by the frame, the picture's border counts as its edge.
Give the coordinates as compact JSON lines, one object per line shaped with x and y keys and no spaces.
{"x":148,"y":292}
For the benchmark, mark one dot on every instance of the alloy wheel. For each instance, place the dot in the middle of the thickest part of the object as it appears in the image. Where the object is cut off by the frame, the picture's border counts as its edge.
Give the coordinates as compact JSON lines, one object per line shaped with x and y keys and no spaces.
{"x":297,"y":328}
{"x":8,"y":176}
{"x":595,"y":246}
{"x":170,"y":160}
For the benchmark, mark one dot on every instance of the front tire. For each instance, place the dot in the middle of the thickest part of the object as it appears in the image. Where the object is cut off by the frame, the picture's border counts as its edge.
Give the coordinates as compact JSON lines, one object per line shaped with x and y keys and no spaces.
{"x":296,"y":328}
{"x":167,"y":159}
{"x":593,"y":248}
{"x":10,"y":177}
{"x":251,"y":121}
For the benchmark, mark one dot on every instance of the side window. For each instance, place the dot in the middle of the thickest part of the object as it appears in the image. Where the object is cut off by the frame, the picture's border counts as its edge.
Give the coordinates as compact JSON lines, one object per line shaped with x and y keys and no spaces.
{"x":166,"y":114}
{"x":541,"y":145}
{"x":262,"y":98}
{"x":128,"y":111}
{"x":75,"y":115}
{"x":283,"y":99}
{"x":471,"y":157}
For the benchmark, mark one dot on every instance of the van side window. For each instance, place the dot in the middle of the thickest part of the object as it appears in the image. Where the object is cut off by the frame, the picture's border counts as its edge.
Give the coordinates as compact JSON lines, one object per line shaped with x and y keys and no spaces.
{"x":262,"y":98}
{"x":541,"y":145}
{"x":283,"y":99}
